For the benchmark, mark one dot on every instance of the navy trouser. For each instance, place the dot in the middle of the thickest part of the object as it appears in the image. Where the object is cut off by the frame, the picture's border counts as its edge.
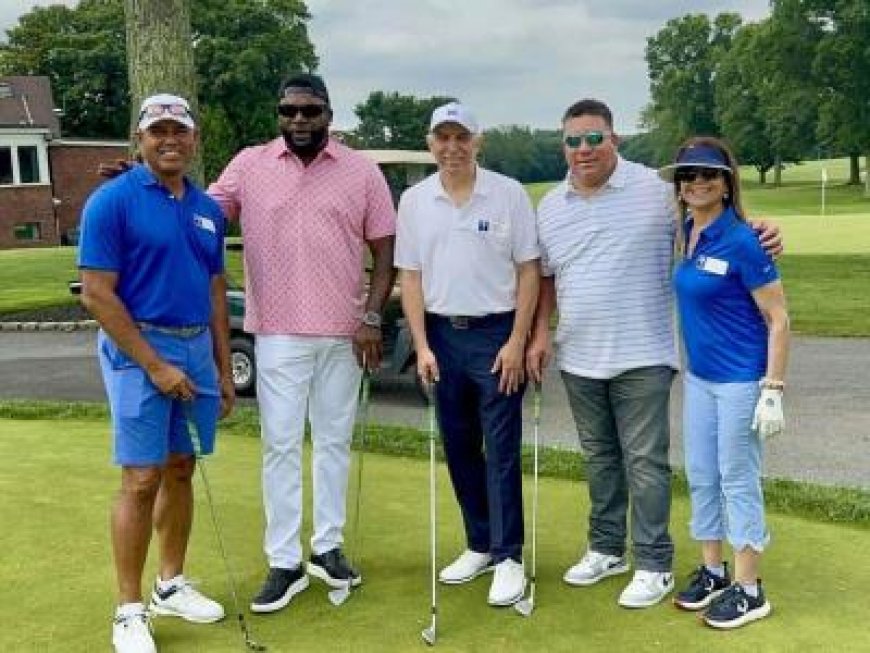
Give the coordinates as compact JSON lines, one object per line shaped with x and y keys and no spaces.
{"x":482,"y":431}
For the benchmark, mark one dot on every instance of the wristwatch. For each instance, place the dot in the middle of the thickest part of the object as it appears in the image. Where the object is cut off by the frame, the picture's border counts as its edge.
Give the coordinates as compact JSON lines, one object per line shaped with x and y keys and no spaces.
{"x":372,"y":319}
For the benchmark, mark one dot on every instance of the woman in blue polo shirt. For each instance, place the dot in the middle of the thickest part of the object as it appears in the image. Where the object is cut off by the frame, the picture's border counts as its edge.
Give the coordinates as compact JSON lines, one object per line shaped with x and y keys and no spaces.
{"x":735,"y":329}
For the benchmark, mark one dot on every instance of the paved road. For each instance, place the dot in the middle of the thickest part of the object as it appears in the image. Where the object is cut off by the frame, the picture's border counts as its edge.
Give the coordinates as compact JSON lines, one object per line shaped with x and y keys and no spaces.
{"x":827,"y":401}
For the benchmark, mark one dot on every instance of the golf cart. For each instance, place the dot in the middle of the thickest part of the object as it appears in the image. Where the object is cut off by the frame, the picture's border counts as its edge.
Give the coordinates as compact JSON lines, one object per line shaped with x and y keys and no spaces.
{"x":401,"y":168}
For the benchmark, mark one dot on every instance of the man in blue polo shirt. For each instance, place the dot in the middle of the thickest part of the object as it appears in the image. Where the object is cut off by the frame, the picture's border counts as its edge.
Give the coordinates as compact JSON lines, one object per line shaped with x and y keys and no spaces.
{"x":151,"y":260}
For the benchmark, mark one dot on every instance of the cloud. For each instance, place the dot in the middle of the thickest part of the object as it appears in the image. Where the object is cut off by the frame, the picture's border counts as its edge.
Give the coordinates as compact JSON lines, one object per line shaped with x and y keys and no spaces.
{"x":515,"y":61}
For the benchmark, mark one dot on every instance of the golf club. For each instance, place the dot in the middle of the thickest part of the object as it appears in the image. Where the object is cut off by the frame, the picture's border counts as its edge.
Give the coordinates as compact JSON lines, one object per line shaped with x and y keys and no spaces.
{"x":250,"y":644}
{"x":526,"y":605}
{"x":338,"y":596}
{"x":429,"y":634}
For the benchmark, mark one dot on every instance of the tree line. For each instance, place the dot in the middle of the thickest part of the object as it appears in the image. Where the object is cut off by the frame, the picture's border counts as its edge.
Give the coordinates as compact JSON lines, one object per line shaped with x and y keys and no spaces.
{"x":791,"y":87}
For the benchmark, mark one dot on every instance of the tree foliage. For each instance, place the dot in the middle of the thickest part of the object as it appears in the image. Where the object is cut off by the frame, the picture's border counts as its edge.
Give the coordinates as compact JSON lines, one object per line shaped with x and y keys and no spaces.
{"x":394,"y":121}
{"x":242,"y":50}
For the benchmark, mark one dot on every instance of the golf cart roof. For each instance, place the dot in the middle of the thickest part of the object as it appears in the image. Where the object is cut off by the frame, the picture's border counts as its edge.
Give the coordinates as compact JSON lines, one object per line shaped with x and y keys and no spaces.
{"x":418,"y":157}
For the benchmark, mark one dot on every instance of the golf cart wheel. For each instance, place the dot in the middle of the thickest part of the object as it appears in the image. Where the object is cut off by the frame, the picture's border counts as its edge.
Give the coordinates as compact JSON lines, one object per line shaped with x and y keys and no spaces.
{"x":243,"y":365}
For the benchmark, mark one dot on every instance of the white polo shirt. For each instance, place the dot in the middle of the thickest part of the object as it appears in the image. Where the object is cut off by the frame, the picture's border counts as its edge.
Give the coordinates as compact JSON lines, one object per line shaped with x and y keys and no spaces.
{"x":612,"y":255}
{"x":467,"y":255}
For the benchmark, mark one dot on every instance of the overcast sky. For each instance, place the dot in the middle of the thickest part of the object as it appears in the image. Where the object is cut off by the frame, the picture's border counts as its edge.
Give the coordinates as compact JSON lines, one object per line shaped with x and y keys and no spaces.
{"x":512,"y":61}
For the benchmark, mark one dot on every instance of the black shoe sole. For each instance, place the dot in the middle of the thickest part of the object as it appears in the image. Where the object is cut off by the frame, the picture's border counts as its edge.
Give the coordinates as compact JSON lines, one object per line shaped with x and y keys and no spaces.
{"x":292,"y":590}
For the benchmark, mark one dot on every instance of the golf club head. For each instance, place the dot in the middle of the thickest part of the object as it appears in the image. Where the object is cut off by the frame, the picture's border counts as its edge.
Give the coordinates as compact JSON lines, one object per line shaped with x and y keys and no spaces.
{"x":338,"y":596}
{"x":525,"y":606}
{"x":428,"y":635}
{"x":253,"y":646}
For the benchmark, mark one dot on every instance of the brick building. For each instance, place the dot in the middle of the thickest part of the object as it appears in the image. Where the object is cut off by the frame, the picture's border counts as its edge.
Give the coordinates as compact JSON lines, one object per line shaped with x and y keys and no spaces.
{"x":44,"y":180}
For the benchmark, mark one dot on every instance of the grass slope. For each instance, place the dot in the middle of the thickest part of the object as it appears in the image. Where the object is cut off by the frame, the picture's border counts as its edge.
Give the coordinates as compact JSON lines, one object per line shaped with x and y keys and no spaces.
{"x":57,"y":484}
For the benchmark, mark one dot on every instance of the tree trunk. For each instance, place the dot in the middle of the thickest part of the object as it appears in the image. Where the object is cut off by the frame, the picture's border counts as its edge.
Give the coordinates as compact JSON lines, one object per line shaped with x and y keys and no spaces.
{"x":854,"y":168}
{"x":160,"y":55}
{"x":762,"y":175}
{"x":777,"y":172}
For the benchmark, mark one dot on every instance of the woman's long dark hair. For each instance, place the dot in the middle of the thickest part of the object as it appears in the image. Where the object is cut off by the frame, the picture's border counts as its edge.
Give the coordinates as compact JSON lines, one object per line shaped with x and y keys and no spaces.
{"x":732,"y":179}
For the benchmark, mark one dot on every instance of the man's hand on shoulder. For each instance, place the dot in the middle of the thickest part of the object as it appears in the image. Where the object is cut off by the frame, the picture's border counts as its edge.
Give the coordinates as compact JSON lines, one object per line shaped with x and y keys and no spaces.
{"x":769,"y":235}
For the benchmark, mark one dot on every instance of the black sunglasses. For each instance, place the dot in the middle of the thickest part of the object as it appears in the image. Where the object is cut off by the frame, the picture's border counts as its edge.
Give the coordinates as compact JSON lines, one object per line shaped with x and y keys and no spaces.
{"x":307,"y":110}
{"x":592,"y":138}
{"x":688,"y":175}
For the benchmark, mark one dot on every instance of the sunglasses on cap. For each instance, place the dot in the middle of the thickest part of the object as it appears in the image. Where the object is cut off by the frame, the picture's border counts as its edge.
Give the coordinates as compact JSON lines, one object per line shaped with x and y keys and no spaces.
{"x":592,"y":139}
{"x":307,"y":110}
{"x":690,"y":174}
{"x":157,"y":110}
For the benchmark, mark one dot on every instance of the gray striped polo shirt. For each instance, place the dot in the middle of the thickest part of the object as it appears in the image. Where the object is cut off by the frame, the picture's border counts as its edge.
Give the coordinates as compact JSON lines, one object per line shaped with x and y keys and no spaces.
{"x":612,"y":255}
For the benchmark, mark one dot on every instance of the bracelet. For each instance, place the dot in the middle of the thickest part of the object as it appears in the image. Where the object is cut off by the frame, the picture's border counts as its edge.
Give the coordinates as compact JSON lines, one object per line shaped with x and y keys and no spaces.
{"x":772,"y":384}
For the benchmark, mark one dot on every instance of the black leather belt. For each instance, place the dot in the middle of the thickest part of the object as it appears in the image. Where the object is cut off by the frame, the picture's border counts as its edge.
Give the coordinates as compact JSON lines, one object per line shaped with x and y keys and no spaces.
{"x":178,"y":332}
{"x":472,"y":321}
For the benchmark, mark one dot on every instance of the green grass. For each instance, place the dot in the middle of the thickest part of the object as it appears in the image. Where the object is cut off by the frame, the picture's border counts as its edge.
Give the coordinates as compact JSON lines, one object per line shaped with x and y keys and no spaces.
{"x":57,"y":557}
{"x":33,"y":278}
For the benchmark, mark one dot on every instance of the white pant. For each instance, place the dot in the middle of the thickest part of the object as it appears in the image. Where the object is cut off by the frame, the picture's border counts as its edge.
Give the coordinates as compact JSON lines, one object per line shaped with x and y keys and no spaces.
{"x":322,"y":375}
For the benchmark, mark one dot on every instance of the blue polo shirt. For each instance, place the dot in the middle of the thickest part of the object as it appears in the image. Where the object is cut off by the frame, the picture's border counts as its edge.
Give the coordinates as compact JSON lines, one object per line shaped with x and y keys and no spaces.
{"x":165,"y":250}
{"x":723,"y":330}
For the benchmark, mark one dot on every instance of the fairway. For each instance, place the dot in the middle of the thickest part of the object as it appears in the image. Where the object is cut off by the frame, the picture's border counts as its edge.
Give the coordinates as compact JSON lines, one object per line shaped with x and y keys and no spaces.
{"x":56,"y":481}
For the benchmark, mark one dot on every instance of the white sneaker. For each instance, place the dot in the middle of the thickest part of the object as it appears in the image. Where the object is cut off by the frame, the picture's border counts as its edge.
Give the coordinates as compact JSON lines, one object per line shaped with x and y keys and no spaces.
{"x":508,"y":584}
{"x":466,"y":567}
{"x":185,"y":601}
{"x":131,"y":631}
{"x":646,"y":588}
{"x":594,"y":566}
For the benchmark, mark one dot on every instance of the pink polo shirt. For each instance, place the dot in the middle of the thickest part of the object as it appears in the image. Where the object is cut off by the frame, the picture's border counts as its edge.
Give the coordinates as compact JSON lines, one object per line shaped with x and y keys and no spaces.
{"x":304,"y":230}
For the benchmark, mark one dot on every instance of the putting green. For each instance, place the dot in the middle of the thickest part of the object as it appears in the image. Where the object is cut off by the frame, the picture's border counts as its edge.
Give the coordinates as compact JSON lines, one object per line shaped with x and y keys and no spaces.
{"x":56,"y":571}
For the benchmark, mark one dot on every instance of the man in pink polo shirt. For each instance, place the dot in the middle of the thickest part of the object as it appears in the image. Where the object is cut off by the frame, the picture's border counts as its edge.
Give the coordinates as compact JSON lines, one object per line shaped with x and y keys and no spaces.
{"x":308,"y":208}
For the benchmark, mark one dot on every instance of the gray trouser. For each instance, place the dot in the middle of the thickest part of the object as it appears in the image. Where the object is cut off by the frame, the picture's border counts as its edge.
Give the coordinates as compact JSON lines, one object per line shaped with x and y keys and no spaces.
{"x":625,"y":433}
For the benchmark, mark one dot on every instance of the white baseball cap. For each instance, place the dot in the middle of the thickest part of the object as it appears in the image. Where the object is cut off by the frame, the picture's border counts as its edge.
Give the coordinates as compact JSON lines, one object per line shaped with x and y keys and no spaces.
{"x":456,"y":113}
{"x":165,"y":106}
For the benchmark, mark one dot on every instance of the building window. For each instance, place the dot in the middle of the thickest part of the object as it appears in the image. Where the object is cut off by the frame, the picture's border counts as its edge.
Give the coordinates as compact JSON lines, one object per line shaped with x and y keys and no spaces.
{"x":27,"y":231}
{"x":28,"y":165}
{"x":6,"y":165}
{"x":5,"y":91}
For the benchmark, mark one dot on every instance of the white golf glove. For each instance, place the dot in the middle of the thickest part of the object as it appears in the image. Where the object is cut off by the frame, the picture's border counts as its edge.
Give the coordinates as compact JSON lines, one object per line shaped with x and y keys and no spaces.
{"x":769,"y":419}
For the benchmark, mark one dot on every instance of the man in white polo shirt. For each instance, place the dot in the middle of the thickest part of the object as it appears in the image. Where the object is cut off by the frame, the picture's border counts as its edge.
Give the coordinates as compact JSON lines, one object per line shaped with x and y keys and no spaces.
{"x":607,"y":237}
{"x":467,"y":250}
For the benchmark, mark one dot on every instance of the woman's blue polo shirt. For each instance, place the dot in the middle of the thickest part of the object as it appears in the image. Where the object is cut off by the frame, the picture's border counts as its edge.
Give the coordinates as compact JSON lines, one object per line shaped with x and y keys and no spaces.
{"x":723,"y":330}
{"x":165,"y":250}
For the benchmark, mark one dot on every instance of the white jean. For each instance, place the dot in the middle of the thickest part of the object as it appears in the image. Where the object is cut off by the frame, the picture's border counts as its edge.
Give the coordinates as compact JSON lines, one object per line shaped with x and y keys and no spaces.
{"x":296,"y":375}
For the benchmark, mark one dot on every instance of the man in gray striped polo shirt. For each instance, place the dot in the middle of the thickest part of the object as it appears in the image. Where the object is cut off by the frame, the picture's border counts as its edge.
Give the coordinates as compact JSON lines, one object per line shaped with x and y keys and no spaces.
{"x":607,"y":241}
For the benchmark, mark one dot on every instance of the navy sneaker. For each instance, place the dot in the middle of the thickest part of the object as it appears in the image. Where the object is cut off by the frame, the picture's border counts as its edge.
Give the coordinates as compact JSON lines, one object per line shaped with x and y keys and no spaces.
{"x":734,"y":608}
{"x":333,"y":569}
{"x":704,"y":586}
{"x":281,"y":585}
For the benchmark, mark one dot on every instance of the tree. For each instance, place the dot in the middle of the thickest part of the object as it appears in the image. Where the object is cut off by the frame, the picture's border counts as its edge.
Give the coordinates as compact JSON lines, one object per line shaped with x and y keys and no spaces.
{"x":394,"y":121}
{"x":242,"y":49}
{"x":159,"y":55}
{"x":82,"y":52}
{"x":682,"y":59}
{"x":524,"y":154}
{"x":842,"y":65}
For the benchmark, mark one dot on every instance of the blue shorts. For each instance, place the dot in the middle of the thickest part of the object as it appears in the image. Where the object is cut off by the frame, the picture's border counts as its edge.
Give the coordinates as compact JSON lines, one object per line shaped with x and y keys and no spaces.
{"x":147,"y":424}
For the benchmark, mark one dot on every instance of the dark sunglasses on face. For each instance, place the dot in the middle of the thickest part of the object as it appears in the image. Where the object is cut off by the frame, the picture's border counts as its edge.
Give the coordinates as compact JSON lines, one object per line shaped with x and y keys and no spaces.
{"x":592,"y":138}
{"x":157,"y":110}
{"x":307,"y":110}
{"x":688,"y":175}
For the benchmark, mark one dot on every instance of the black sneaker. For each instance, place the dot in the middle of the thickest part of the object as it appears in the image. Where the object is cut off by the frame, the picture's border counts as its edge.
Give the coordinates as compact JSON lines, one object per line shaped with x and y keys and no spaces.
{"x":734,"y":608}
{"x":333,"y":569}
{"x":281,"y":585}
{"x":704,"y":586}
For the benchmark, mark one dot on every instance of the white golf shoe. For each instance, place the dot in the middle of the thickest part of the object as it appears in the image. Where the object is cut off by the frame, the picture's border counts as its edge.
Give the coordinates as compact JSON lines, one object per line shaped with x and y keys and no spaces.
{"x":594,"y":566}
{"x":468,"y":566}
{"x":183,"y":600}
{"x":131,"y":630}
{"x":646,"y":589}
{"x":508,"y":584}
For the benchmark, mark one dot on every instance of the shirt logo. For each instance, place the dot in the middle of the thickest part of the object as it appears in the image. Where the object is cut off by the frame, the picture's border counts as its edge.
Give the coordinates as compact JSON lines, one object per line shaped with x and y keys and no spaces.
{"x":483,"y":225}
{"x":204,"y":223}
